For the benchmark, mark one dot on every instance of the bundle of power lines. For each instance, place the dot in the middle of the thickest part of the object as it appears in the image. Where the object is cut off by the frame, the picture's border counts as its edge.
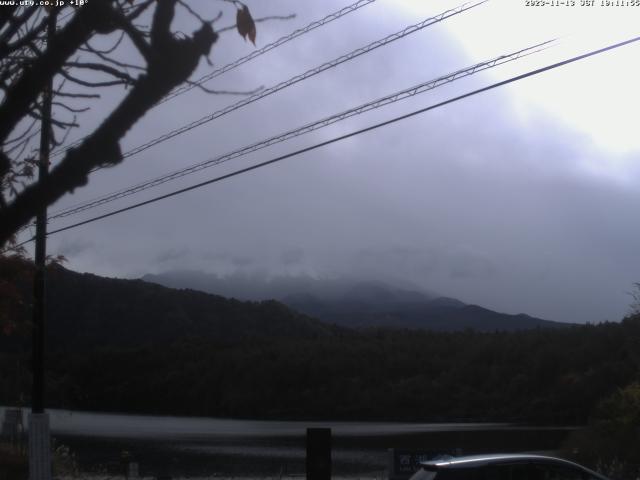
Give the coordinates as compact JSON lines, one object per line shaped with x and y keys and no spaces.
{"x":307,"y":128}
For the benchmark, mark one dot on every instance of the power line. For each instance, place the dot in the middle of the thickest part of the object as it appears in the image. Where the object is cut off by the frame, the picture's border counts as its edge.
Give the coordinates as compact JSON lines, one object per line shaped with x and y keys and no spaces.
{"x":303,"y":76}
{"x":306,"y":75}
{"x":281,"y":41}
{"x":256,"y":53}
{"x":298,"y":78}
{"x":351,"y":134}
{"x":380,"y":102}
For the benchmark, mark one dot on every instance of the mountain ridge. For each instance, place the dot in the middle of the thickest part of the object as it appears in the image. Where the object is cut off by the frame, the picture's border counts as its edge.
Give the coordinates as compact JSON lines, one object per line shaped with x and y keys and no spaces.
{"x":86,"y":311}
{"x":363,"y":304}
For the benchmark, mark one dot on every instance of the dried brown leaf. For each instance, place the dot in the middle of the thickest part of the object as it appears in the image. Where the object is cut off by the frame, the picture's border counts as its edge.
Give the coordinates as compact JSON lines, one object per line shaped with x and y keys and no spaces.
{"x":245,"y":24}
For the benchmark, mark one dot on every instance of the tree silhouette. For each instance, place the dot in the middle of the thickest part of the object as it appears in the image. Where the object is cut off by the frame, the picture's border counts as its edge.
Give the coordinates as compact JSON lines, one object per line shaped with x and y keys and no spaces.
{"x":30,"y":60}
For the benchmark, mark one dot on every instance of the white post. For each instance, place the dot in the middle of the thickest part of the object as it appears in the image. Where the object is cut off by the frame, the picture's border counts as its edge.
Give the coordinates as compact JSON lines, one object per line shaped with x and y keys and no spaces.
{"x":39,"y":447}
{"x":133,"y":471}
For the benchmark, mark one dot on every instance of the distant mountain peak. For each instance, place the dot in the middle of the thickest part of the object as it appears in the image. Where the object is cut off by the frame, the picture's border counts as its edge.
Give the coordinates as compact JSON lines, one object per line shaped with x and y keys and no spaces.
{"x":359,"y":303}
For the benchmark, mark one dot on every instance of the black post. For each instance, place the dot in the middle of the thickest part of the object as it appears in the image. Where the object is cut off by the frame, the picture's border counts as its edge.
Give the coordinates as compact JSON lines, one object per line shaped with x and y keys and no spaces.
{"x":39,"y":281}
{"x":318,"y":453}
{"x":40,"y":466}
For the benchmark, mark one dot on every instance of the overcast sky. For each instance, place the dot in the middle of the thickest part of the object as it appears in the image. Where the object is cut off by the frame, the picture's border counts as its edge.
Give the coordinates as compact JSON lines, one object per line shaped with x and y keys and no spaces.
{"x":521,"y":199}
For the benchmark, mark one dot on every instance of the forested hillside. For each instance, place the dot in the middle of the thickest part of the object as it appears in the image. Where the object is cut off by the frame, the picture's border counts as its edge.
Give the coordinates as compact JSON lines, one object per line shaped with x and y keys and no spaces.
{"x":130,"y":346}
{"x":86,"y":311}
{"x":357,"y":303}
{"x":554,"y":376}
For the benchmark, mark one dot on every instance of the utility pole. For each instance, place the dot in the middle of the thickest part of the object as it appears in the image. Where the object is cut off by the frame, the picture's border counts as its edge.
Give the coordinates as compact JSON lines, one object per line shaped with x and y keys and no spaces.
{"x":39,"y":433}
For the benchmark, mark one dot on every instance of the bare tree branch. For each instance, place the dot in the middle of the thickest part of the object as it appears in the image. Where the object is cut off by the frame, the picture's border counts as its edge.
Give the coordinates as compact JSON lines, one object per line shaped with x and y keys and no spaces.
{"x":225,"y":92}
{"x":71,"y":109}
{"x":109,"y":50}
{"x":106,"y":58}
{"x":30,"y":61}
{"x":258,"y":20}
{"x":86,"y":83}
{"x":22,"y":135}
{"x":136,"y":37}
{"x":125,"y":77}
{"x":171,"y":62}
{"x":92,"y":17}
{"x":77,"y":95}
{"x":6,"y":48}
{"x":139,"y":10}
{"x":15,"y":24}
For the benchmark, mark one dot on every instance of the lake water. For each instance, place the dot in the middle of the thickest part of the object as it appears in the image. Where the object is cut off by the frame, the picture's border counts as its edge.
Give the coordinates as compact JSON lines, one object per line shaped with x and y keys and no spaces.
{"x":213,"y":446}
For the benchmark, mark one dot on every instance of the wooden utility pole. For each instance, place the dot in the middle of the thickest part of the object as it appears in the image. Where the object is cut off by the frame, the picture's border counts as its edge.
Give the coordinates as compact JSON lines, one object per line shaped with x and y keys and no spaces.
{"x":39,"y":433}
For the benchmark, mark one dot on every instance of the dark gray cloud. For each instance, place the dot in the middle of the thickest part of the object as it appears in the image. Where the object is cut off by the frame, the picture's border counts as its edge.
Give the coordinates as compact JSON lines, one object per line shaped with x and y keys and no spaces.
{"x":172,"y":255}
{"x":242,"y":261}
{"x":73,"y":247}
{"x":474,"y":201}
{"x":292,"y":256}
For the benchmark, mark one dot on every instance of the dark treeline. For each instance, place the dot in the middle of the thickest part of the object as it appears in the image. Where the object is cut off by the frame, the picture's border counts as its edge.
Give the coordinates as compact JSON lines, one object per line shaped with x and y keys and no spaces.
{"x":550,"y":376}
{"x":130,"y":346}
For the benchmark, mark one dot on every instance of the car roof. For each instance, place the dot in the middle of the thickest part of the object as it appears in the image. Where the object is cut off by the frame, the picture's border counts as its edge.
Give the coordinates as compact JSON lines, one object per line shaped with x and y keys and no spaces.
{"x":482,"y":460}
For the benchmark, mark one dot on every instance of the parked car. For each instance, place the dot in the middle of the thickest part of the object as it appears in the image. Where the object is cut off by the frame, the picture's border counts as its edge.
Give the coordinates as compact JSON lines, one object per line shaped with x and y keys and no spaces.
{"x":504,"y":467}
